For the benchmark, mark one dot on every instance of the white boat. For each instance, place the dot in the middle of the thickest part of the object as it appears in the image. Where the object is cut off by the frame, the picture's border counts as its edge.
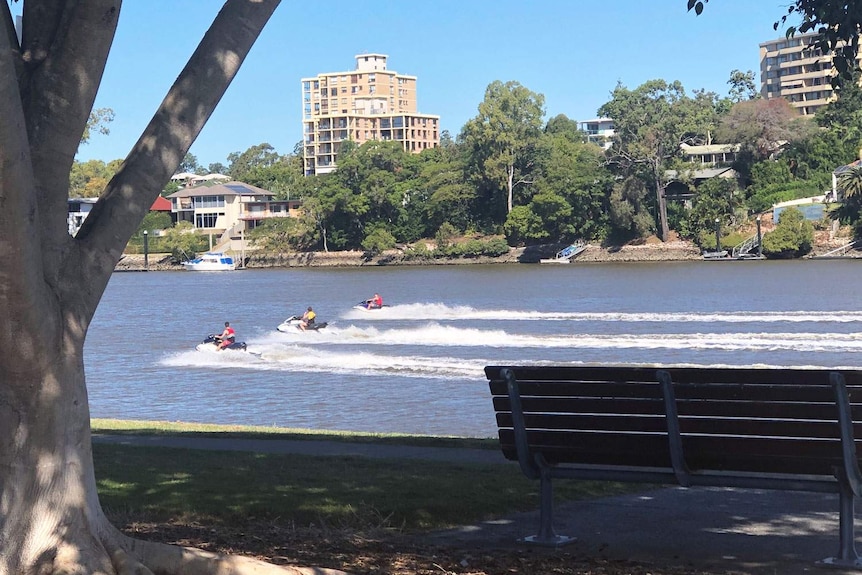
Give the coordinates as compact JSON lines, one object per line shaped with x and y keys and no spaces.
{"x":566,"y":254}
{"x":210,"y":262}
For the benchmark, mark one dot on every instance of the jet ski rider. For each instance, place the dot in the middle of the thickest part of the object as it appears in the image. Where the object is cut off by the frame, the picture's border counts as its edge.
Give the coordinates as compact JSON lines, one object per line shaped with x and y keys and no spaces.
{"x":307,"y":319}
{"x":227,"y":337}
{"x":375,"y":302}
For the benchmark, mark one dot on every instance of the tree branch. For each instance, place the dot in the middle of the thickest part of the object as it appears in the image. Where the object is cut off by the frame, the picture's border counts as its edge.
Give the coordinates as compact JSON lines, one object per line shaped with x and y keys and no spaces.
{"x":65,"y":49}
{"x":169,"y":135}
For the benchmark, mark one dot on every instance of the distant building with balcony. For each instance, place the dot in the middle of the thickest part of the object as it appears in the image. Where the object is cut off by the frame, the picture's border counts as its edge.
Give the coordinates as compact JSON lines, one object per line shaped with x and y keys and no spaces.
{"x":368,"y":103}
{"x":792,"y":69}
{"x":79,"y":208}
{"x":599,"y":131}
{"x":710,"y":155}
{"x":230,"y":209}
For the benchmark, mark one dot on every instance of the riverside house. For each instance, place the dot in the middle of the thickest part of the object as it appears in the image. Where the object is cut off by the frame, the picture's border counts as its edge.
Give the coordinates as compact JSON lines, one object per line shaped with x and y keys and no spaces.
{"x":228,"y":210}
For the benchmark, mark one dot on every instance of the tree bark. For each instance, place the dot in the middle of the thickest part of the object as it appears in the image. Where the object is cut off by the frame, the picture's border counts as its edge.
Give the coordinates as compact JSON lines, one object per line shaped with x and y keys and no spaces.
{"x":50,"y":283}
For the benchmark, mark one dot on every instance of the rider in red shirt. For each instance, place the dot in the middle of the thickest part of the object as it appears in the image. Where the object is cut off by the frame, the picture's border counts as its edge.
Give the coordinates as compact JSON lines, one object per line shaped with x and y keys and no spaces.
{"x":227,"y":337}
{"x":374,"y":302}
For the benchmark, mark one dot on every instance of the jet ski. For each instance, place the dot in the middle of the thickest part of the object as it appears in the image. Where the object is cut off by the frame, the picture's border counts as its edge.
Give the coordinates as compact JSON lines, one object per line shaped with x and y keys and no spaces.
{"x":366,"y":306}
{"x":212,"y":341}
{"x":292,"y":323}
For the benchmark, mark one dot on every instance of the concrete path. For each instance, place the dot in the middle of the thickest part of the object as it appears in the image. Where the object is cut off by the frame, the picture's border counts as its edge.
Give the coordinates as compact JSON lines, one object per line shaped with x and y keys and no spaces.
{"x":719,"y":530}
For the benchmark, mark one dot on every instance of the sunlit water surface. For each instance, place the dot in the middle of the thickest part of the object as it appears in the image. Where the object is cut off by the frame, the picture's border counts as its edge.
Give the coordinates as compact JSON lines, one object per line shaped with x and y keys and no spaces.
{"x":416,"y":365}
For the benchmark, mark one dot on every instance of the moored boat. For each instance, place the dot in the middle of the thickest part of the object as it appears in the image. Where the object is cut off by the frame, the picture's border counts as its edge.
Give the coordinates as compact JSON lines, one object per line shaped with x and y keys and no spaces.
{"x":566,"y":254}
{"x":211,"y":262}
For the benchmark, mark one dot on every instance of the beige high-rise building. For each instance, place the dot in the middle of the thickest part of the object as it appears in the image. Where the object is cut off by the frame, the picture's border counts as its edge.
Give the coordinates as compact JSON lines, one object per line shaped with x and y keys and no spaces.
{"x":791,"y":69}
{"x":368,"y":103}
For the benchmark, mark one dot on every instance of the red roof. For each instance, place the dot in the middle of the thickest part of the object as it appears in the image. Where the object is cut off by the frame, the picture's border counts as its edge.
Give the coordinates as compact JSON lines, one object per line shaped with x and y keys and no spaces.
{"x":161,"y":204}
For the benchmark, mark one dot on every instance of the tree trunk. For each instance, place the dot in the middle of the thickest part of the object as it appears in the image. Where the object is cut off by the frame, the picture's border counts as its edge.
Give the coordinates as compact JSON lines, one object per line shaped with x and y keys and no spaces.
{"x":50,"y":283}
{"x":510,"y":187}
{"x":664,"y":232}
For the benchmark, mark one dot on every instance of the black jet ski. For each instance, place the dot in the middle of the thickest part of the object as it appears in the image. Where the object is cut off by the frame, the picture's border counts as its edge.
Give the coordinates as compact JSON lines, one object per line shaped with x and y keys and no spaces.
{"x":212,"y":342}
{"x":292,"y":323}
{"x":368,"y":306}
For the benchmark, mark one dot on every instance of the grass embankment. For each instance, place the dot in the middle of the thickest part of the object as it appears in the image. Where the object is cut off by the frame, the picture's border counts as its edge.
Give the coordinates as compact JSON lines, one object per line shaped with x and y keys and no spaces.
{"x":234,"y":488}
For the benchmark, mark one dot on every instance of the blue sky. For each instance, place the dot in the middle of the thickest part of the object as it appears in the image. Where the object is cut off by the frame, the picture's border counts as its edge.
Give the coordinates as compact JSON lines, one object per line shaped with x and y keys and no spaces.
{"x":574,"y":52}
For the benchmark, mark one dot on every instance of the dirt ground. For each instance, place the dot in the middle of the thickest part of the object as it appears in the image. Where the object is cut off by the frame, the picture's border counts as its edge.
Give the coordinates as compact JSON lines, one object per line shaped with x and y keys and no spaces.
{"x":387,"y":552}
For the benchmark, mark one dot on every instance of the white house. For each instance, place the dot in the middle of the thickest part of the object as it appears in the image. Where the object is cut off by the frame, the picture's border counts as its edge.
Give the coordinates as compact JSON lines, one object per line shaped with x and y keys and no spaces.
{"x":228,"y":209}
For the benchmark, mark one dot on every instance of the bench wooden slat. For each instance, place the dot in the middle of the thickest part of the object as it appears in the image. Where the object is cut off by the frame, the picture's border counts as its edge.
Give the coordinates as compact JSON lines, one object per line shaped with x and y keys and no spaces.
{"x":681,"y":375}
{"x":700,"y":391}
{"x":688,"y":425}
{"x":749,"y":454}
{"x":739,"y":409}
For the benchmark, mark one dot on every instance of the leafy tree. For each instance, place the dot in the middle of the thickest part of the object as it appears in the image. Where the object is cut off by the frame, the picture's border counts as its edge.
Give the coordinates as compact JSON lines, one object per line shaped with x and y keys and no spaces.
{"x":190,"y":165}
{"x":281,"y":235}
{"x":561,"y":125}
{"x":98,"y":121}
{"x":182,"y":241}
{"x":445,"y":194}
{"x":51,"y":282}
{"x":650,"y":124}
{"x":282,"y":178}
{"x":742,"y":86}
{"x":715,"y":198}
{"x":845,"y":111}
{"x":813,"y":158}
{"x":836,"y":22}
{"x":524,"y":226}
{"x":153,"y":221}
{"x":378,"y":240}
{"x":217,"y":168}
{"x":761,"y":125}
{"x":502,"y":135}
{"x":575,"y":171}
{"x":628,"y":210}
{"x":791,"y":238}
{"x":241,"y":163}
{"x":88,"y":179}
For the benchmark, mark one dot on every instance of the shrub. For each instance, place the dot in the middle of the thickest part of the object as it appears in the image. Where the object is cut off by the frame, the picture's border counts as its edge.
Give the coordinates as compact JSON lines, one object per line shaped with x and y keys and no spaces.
{"x":791,"y":238}
{"x":378,"y":240}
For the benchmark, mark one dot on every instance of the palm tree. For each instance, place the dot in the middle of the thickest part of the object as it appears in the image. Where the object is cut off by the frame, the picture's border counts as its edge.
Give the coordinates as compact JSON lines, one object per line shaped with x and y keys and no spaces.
{"x":850,"y":185}
{"x":850,"y":182}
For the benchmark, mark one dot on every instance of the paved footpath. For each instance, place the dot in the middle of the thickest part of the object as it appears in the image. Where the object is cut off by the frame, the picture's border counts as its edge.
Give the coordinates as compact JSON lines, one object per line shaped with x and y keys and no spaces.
{"x":720,"y":530}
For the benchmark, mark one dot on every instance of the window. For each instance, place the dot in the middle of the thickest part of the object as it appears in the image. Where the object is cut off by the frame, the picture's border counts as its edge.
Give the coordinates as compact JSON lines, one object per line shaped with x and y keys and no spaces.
{"x":208,"y":202}
{"x":207,"y":220}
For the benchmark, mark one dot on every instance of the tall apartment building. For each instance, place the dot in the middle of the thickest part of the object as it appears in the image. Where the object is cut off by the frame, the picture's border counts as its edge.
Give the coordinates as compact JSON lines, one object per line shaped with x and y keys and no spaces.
{"x":368,"y":103}
{"x":792,"y":70}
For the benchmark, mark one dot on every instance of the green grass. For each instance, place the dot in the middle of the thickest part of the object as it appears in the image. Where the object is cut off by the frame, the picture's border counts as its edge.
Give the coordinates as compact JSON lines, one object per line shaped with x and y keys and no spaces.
{"x":233,"y":488}
{"x":129,"y":427}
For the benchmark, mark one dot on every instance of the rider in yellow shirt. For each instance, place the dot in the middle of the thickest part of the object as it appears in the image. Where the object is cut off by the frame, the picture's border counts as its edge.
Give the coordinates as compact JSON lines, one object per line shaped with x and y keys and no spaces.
{"x":307,"y":319}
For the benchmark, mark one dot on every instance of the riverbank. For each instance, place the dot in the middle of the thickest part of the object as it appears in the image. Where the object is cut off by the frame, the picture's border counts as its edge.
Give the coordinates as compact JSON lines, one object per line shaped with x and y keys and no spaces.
{"x":669,"y":251}
{"x":651,"y":250}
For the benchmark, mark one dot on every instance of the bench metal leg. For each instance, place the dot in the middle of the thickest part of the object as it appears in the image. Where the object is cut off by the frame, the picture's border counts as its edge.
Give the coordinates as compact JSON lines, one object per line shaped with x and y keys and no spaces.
{"x":847,"y":556}
{"x":547,"y":536}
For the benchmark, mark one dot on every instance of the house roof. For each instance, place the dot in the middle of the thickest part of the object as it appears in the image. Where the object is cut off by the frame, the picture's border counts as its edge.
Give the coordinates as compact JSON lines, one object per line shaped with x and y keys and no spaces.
{"x":161,"y":205}
{"x":848,"y":167}
{"x":184,"y":176}
{"x":227,"y":189}
{"x":710,"y":148}
{"x":704,"y":174}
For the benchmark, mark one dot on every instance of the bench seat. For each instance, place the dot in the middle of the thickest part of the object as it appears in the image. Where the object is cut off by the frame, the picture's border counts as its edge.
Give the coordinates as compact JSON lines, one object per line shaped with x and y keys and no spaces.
{"x":788,"y":429}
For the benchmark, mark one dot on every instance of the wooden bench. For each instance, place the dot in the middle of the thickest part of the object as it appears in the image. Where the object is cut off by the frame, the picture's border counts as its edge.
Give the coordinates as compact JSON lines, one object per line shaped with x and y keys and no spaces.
{"x":786,"y":429}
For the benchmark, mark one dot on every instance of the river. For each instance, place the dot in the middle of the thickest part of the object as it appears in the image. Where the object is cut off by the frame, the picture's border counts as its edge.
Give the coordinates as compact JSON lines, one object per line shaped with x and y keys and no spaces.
{"x":416,"y":365}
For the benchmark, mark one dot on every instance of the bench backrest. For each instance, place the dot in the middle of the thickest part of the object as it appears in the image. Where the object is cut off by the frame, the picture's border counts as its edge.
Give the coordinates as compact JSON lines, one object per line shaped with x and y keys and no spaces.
{"x":740,"y":419}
